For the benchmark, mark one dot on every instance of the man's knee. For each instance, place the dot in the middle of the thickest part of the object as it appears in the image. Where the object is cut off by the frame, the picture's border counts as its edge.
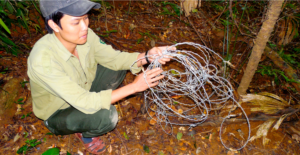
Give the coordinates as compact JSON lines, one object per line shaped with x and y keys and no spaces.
{"x":113,"y":116}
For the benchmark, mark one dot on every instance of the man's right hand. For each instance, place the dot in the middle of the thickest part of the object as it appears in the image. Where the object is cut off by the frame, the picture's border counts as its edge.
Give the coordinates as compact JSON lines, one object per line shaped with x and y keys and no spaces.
{"x":139,"y":84}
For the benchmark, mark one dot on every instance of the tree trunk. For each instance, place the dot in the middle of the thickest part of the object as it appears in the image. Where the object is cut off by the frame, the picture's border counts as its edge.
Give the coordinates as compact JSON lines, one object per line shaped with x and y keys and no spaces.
{"x":260,"y":44}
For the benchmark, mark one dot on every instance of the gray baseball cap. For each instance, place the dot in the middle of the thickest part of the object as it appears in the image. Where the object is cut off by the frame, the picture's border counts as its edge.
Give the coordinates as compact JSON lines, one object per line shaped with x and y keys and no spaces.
{"x":69,"y":7}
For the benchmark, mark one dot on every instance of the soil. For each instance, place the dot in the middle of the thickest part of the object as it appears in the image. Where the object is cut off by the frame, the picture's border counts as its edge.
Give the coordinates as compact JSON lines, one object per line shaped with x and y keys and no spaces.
{"x":144,"y":27}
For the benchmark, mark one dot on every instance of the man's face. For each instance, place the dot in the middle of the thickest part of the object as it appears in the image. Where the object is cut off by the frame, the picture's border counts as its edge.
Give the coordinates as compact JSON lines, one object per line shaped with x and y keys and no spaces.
{"x":74,"y":29}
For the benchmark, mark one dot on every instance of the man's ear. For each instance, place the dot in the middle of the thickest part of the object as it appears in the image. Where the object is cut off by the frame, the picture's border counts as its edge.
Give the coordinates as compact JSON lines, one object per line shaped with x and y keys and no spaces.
{"x":53,"y":25}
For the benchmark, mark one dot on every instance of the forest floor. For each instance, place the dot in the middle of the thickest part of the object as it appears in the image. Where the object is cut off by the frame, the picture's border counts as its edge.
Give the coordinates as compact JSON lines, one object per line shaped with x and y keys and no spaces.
{"x":144,"y":26}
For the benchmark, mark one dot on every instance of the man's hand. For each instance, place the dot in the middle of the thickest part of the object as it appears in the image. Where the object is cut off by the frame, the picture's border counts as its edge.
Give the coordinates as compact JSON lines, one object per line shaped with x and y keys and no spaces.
{"x":152,"y":78}
{"x":155,"y":51}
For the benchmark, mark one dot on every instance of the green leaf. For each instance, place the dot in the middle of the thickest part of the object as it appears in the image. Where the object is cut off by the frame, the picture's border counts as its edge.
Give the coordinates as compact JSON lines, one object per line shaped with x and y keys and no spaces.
{"x":195,"y":10}
{"x":8,"y":41}
{"x":174,"y":72}
{"x":139,"y":40}
{"x":4,"y":26}
{"x":125,"y":135}
{"x":49,"y":133}
{"x":146,"y":149}
{"x":20,"y":99}
{"x":52,"y":151}
{"x":10,"y":8}
{"x":179,"y":135}
{"x":20,"y":14}
{"x":68,"y":153}
{"x":37,"y":9}
{"x":25,"y":134}
{"x":175,"y":102}
{"x":22,"y":149}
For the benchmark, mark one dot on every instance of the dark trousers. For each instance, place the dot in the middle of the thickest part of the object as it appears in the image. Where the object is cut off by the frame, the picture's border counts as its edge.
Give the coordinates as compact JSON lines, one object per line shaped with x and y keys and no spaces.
{"x":70,"y":120}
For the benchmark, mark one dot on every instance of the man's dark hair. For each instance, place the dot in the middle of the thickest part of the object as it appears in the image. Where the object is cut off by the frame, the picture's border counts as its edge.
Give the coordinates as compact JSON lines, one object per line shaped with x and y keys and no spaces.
{"x":56,"y":16}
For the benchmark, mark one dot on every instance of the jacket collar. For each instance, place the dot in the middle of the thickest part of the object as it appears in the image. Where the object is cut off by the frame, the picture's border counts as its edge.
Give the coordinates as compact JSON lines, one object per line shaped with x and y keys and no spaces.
{"x":64,"y":53}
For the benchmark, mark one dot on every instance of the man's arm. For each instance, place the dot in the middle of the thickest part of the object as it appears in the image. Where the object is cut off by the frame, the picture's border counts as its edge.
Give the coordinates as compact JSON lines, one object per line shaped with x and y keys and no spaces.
{"x":138,"y":85}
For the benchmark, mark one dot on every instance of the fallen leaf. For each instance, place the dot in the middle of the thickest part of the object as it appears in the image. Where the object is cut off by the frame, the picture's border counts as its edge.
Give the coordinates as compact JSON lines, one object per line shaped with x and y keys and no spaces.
{"x":20,"y":128}
{"x":278,"y":123}
{"x":180,"y":111}
{"x":109,"y":149}
{"x":179,"y":135}
{"x":153,"y":121}
{"x":232,"y":152}
{"x":79,"y":152}
{"x":16,"y":137}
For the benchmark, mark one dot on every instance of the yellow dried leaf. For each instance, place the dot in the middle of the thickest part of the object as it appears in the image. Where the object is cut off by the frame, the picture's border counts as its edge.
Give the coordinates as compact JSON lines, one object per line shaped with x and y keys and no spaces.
{"x":180,"y":111}
{"x":183,"y":148}
{"x":153,"y":121}
{"x":152,"y":113}
{"x":109,"y":149}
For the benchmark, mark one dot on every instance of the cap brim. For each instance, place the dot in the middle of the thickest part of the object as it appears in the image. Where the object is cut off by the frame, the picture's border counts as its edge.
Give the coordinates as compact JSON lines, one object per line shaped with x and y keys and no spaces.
{"x":79,"y":8}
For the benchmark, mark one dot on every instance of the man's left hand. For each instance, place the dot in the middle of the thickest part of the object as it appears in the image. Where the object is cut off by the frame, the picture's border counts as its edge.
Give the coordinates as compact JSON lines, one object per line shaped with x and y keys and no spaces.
{"x":156,"y":51}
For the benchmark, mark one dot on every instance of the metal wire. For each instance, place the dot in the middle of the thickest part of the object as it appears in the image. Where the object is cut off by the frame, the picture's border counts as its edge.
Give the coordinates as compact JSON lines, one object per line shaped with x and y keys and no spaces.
{"x":185,"y":96}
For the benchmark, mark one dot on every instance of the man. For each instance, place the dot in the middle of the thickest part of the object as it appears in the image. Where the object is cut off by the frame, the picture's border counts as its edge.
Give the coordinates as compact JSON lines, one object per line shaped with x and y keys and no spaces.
{"x":74,"y":77}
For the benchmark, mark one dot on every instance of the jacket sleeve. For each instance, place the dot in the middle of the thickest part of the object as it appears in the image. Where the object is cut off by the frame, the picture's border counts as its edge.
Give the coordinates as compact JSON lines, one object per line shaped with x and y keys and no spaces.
{"x":113,"y":59}
{"x":46,"y":71}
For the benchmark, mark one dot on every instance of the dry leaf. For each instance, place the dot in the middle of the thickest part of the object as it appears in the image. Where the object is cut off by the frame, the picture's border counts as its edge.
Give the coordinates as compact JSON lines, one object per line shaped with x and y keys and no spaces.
{"x":109,"y":149}
{"x":266,"y":140}
{"x":180,"y":111}
{"x":265,"y":102}
{"x":276,"y":126}
{"x":153,"y":121}
{"x":16,"y":137}
{"x":263,"y":129}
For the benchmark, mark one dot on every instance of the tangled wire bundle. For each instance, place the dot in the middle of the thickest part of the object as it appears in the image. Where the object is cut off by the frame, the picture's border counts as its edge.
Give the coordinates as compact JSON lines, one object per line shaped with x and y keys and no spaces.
{"x":185,"y":96}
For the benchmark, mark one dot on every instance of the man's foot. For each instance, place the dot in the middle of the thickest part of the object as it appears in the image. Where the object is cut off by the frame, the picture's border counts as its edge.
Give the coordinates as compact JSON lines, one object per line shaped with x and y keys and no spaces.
{"x":93,"y":145}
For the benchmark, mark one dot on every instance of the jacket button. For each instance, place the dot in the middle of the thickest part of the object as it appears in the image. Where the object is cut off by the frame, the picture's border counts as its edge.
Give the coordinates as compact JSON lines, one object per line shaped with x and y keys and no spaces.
{"x":85,"y":82}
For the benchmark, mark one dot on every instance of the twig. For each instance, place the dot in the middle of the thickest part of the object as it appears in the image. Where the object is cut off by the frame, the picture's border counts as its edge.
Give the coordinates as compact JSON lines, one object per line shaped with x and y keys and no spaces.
{"x":69,"y":143}
{"x":196,"y":31}
{"x":235,"y":23}
{"x":104,"y":8}
{"x":121,"y":140}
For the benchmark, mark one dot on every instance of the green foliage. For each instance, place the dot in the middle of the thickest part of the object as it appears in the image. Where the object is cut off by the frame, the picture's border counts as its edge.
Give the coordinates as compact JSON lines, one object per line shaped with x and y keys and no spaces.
{"x":108,"y":33}
{"x":105,"y":4}
{"x":175,"y":8}
{"x":4,"y":26}
{"x":24,"y":116}
{"x":125,"y":135}
{"x":17,"y":13}
{"x":289,"y":58}
{"x":4,"y":71}
{"x":147,"y":34}
{"x":146,"y":149}
{"x":19,"y":101}
{"x":268,"y":70}
{"x":217,"y":7}
{"x":23,"y":83}
{"x":52,"y":151}
{"x":28,"y":145}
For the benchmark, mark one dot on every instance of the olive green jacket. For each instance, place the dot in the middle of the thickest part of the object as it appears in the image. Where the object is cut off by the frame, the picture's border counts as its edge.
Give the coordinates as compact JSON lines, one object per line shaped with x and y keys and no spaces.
{"x":59,"y":80}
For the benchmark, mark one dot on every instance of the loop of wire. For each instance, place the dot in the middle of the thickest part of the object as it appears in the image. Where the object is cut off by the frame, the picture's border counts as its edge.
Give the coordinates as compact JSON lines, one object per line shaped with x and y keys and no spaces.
{"x":197,"y":81}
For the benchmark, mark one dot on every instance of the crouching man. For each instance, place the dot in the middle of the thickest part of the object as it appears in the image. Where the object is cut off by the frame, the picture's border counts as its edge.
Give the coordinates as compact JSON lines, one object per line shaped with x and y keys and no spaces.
{"x":74,"y":77}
